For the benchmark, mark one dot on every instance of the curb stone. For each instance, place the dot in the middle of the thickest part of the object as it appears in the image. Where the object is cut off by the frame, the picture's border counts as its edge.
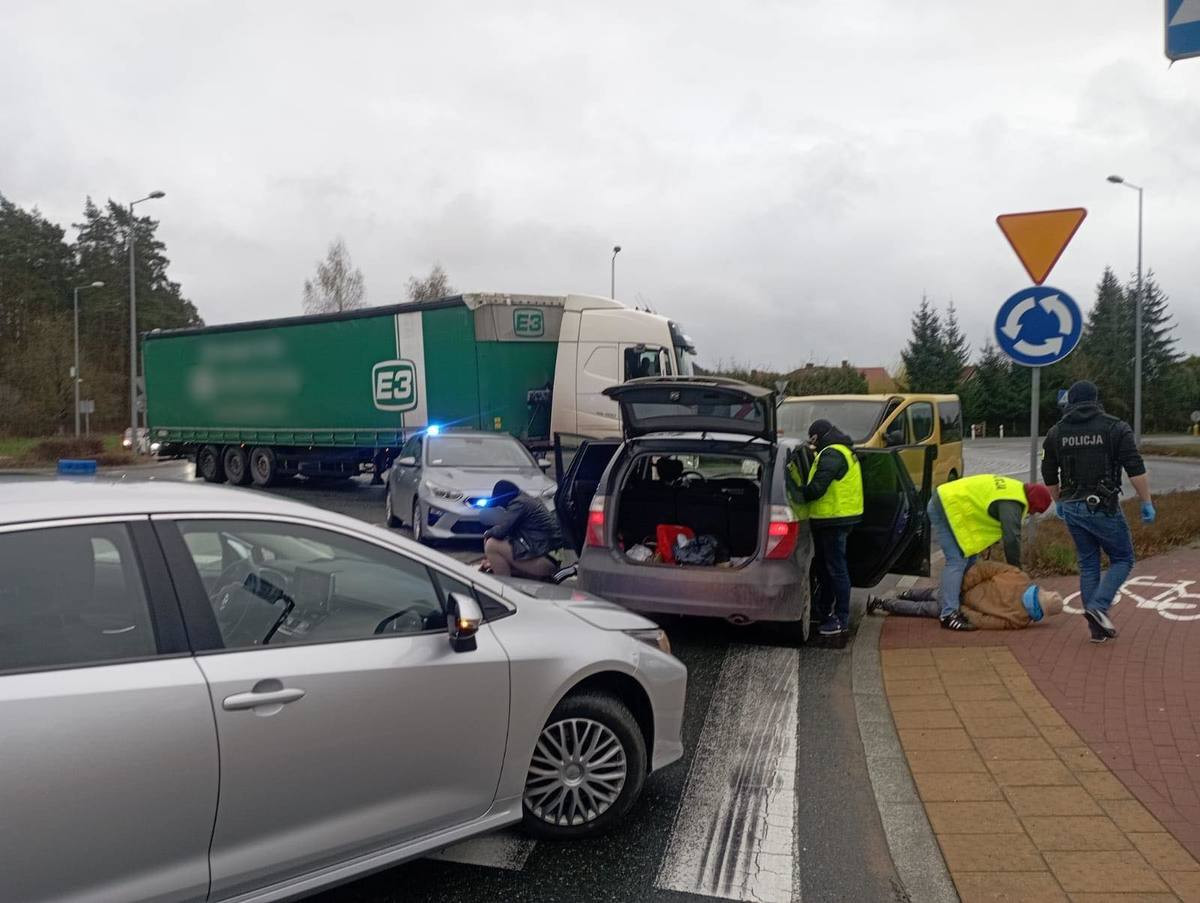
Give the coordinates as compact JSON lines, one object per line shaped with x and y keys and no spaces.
{"x":915,"y":851}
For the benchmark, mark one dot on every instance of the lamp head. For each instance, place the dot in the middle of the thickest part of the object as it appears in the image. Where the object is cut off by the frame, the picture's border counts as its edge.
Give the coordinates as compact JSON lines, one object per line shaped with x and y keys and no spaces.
{"x":1116,"y":180}
{"x":157,"y":194}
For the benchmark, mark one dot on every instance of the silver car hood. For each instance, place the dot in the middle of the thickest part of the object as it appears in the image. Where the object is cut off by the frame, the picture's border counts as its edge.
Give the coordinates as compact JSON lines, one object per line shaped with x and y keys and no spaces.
{"x":592,"y":609}
{"x":480,"y":480}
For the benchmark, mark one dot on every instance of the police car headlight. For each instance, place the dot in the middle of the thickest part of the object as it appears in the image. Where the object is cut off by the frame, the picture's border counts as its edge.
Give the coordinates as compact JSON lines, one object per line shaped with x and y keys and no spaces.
{"x":443,"y":492}
{"x":654,"y":636}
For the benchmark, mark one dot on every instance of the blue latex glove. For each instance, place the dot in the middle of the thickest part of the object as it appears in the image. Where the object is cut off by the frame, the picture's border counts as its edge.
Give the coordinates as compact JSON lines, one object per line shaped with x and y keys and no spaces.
{"x":1148,"y":513}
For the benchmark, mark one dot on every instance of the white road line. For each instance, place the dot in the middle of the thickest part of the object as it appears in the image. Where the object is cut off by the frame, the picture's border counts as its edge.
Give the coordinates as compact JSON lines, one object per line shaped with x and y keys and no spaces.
{"x":502,"y":850}
{"x":735,"y":832}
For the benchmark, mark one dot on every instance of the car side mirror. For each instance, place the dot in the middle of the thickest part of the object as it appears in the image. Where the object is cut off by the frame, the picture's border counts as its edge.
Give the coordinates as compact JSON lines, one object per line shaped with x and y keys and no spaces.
{"x":543,"y":463}
{"x":407,"y":461}
{"x":463,"y":617}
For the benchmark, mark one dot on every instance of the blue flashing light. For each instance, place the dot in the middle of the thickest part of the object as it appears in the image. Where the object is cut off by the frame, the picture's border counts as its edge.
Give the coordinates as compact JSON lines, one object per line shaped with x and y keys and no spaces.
{"x":481,"y":503}
{"x":433,"y":429}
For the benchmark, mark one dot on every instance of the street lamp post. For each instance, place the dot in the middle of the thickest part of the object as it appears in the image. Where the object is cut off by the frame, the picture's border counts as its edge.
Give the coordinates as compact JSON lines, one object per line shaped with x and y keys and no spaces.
{"x":76,"y":379}
{"x":613,"y":287}
{"x":1139,"y":302}
{"x":133,"y":414}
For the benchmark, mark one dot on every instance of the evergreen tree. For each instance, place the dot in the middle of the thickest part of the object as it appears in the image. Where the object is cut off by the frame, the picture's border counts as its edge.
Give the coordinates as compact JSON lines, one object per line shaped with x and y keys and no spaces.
{"x":925,"y":357}
{"x":993,"y":394}
{"x":956,"y":351}
{"x":843,"y":380}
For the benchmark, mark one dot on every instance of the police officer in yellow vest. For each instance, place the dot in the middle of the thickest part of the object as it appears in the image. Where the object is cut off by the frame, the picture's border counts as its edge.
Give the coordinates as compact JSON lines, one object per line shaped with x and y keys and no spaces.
{"x":970,"y":515}
{"x":834,"y":493}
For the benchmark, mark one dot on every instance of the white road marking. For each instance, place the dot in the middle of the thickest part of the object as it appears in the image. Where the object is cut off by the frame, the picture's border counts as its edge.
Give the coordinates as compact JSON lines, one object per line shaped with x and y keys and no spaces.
{"x":502,"y":850}
{"x":735,"y":832}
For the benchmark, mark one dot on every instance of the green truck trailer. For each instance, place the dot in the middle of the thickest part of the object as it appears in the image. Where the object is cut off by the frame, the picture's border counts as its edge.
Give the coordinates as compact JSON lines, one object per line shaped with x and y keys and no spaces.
{"x":334,"y":395}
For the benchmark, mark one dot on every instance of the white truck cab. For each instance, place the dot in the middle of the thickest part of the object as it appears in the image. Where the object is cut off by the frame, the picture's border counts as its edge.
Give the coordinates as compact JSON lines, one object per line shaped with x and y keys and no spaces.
{"x":603,"y":343}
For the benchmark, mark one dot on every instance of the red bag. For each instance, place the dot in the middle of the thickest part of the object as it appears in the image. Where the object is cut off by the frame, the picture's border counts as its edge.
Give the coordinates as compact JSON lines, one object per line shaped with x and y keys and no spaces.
{"x":667,"y":534}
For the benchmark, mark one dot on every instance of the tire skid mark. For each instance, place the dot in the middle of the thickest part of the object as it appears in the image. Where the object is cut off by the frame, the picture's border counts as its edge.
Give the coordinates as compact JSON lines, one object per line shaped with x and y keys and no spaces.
{"x":734,"y":834}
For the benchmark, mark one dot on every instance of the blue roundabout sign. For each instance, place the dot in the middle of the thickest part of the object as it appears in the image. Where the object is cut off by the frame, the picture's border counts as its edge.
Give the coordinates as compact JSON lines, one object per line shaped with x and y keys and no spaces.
{"x":1039,"y":326}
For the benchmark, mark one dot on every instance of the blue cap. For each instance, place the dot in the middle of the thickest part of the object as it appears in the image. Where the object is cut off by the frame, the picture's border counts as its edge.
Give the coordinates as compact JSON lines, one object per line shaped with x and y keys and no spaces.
{"x":1032,"y":605}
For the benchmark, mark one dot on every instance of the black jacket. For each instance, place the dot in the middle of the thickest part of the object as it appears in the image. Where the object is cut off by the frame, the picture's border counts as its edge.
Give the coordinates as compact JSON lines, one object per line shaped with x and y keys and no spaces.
{"x":829,"y":468}
{"x":1086,"y":447}
{"x":529,"y":526}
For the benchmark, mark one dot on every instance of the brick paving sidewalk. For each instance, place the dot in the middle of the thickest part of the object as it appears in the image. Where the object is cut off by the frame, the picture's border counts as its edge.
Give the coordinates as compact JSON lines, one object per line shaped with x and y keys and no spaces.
{"x":1021,"y":806}
{"x":1134,"y":701}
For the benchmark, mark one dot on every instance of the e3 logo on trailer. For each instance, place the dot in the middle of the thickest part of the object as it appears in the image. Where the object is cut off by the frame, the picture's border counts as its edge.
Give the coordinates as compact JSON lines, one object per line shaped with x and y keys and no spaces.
{"x":394,"y":384}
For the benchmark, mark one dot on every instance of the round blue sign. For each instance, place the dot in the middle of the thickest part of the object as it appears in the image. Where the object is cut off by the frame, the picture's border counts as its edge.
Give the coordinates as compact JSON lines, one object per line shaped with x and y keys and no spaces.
{"x":1038,"y":326}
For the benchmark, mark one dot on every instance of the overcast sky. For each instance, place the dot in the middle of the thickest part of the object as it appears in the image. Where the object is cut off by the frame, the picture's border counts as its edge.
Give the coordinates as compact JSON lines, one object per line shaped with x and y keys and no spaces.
{"x":786,"y":178}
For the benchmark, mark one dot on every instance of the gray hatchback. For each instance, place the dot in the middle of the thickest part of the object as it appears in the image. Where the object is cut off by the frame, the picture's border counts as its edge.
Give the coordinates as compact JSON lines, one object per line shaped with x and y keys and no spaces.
{"x":700,"y":459}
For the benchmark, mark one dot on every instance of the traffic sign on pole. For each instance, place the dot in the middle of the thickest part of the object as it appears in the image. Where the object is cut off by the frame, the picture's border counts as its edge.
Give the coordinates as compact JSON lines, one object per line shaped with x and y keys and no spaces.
{"x":1038,"y":326}
{"x":1183,"y":29}
{"x":1040,"y":237}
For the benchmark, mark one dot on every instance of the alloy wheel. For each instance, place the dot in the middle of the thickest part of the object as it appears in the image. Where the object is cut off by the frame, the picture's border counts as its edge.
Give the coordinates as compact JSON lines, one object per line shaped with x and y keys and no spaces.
{"x":577,"y":772}
{"x":417,"y":527}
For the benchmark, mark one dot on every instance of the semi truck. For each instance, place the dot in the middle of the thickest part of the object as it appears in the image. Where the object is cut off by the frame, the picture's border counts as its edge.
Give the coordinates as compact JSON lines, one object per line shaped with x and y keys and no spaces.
{"x":335,"y":395}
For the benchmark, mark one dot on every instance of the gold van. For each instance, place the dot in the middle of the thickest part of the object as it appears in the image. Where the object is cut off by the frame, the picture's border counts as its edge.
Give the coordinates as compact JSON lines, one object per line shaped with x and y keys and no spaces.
{"x":887,"y":421}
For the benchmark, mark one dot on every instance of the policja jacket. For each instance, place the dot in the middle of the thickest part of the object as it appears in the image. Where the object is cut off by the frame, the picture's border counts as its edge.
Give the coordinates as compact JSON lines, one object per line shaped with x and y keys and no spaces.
{"x":1086,"y":451}
{"x":835,"y":478}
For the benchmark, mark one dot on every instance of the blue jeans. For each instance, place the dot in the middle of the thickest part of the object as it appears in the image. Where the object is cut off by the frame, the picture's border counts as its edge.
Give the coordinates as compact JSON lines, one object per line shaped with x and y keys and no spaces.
{"x":830,"y":547}
{"x":956,"y":562}
{"x":1093,"y":531}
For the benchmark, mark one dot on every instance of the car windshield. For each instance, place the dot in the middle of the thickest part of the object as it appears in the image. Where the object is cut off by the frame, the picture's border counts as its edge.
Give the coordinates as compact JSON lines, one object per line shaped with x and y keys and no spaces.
{"x":477,"y":451}
{"x":855,"y":418}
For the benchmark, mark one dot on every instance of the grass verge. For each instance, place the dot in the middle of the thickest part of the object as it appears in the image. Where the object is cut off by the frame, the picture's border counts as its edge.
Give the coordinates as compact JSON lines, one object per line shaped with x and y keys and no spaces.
{"x":1052,"y":553}
{"x":1183,"y":450}
{"x":33,"y":452}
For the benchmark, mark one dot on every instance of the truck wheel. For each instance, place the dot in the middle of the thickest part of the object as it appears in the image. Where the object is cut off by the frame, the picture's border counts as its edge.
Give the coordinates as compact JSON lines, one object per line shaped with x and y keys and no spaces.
{"x":264,"y":469}
{"x":390,"y":511}
{"x":209,"y":465}
{"x":237,"y":468}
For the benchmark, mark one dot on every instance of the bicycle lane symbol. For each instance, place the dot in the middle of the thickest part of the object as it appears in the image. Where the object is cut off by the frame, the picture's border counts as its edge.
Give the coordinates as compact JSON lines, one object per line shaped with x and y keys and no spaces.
{"x":1174,"y":600}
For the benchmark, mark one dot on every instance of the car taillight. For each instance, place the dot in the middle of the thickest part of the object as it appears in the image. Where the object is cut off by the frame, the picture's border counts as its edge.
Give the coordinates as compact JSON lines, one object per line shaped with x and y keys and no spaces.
{"x":782,"y":532}
{"x":595,"y":523}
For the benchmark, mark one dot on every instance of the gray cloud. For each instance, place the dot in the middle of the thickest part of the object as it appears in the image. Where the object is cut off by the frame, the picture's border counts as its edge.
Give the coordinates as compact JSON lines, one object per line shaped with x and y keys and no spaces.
{"x":786,"y":179}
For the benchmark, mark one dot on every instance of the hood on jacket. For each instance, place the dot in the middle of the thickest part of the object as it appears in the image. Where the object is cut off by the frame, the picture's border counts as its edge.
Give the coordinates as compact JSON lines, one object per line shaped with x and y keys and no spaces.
{"x":1085,"y":410}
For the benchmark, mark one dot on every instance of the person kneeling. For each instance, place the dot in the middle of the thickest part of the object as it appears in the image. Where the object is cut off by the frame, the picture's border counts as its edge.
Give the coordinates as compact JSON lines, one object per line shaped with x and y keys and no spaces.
{"x":996,"y":596}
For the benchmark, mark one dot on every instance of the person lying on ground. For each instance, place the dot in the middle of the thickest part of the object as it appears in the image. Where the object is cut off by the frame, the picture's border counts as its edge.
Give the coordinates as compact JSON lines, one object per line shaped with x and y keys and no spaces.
{"x":996,"y":596}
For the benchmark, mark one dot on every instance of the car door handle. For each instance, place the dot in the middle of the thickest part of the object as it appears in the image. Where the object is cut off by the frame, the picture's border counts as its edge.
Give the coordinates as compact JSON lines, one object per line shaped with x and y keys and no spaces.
{"x":239,"y":701}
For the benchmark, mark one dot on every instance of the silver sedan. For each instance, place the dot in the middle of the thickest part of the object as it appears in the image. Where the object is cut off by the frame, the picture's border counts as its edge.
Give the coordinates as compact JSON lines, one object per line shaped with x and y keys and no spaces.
{"x":441,"y":482}
{"x":213,"y":694}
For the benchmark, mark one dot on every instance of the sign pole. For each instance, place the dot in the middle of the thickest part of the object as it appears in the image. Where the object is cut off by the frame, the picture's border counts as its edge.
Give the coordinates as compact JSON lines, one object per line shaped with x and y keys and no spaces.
{"x":1035,"y":397}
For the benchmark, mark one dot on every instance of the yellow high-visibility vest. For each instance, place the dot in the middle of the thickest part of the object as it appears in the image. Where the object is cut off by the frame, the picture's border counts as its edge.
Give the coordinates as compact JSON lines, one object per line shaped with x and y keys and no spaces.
{"x":966,"y":504}
{"x":844,"y":497}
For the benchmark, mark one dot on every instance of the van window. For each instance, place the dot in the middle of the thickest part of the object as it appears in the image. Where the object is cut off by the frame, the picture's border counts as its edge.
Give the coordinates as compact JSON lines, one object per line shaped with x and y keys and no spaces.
{"x":921,"y":417}
{"x":950,"y":414}
{"x":897,"y":431}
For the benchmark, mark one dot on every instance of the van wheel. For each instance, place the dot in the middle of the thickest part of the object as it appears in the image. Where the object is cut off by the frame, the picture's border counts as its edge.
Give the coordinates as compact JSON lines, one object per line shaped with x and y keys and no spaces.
{"x":237,"y":467}
{"x":209,"y":465}
{"x":587,"y":770}
{"x":264,"y":468}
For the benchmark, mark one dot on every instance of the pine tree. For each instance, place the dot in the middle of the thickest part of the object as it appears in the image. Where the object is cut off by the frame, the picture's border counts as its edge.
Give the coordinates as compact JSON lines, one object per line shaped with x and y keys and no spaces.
{"x":925,"y":357}
{"x":993,"y":394}
{"x":956,"y":350}
{"x":1107,"y":344}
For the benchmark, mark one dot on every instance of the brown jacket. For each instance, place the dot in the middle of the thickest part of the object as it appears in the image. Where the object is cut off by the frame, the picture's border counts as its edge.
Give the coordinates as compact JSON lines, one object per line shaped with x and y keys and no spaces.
{"x":992,"y":596}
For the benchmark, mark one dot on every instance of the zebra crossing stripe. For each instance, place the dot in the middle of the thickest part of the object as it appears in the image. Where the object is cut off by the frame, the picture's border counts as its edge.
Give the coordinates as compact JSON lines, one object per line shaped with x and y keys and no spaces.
{"x":734,"y":835}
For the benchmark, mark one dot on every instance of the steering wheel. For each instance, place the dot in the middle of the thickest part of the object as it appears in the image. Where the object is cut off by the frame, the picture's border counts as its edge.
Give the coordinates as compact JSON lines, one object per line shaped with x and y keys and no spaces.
{"x":406,"y":620}
{"x":238,"y":587}
{"x":693,"y":473}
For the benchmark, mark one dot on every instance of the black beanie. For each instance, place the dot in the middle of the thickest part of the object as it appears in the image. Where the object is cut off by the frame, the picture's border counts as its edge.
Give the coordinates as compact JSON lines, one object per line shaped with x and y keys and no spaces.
{"x":819,"y":428}
{"x":1082,"y":391}
{"x":504,"y":492}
